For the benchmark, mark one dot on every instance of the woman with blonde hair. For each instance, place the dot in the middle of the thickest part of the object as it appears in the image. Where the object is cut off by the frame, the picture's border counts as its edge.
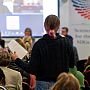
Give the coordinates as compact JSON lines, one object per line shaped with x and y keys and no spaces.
{"x":66,"y":81}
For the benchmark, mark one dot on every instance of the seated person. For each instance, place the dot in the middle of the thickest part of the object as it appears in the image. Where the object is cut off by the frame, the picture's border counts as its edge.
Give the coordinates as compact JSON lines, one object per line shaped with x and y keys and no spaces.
{"x":66,"y":81}
{"x":13,"y":78}
{"x":28,"y":40}
{"x":12,"y":65}
{"x":79,"y":76}
{"x":28,"y":36}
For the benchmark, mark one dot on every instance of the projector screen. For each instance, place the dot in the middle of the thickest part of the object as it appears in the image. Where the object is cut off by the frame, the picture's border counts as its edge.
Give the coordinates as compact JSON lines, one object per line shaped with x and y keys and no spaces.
{"x":16,"y":15}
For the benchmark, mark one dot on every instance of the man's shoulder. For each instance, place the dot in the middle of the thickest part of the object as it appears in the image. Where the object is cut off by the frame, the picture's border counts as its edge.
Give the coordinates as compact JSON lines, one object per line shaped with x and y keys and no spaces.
{"x":70,"y":37}
{"x":10,"y":72}
{"x":40,"y":40}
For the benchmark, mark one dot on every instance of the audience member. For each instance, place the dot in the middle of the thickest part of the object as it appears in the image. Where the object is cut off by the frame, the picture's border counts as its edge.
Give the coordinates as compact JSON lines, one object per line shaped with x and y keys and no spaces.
{"x":64,"y":32}
{"x":79,"y":76}
{"x":66,"y":81}
{"x":13,"y":78}
{"x":51,"y":55}
{"x":28,"y":40}
{"x":13,"y":66}
{"x":28,"y":33}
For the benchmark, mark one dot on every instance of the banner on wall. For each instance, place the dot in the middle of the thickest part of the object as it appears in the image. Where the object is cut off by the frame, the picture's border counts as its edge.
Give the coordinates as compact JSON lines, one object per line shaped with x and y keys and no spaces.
{"x":79,"y":25}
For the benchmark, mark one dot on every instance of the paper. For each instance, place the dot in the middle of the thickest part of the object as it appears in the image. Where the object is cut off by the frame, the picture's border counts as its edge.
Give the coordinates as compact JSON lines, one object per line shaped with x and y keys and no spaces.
{"x":16,"y":47}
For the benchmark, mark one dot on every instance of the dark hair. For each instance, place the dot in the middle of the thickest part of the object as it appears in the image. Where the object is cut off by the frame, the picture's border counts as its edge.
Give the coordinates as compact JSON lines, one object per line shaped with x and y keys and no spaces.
{"x":65,"y":29}
{"x":52,"y":22}
{"x":2,"y":77}
{"x":29,"y":30}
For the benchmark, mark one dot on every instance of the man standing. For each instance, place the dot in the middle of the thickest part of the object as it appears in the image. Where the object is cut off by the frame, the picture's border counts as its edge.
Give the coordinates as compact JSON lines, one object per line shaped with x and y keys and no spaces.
{"x":64,"y":32}
{"x":51,"y":55}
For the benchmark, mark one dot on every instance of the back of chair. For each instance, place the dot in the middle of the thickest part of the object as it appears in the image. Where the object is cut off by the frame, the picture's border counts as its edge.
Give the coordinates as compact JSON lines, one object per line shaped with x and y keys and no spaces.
{"x":2,"y":88}
{"x":26,"y":86}
{"x":26,"y":83}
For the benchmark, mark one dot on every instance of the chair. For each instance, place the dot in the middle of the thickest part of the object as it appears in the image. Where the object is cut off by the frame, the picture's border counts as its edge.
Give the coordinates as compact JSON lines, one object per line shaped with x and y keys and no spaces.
{"x":2,"y":88}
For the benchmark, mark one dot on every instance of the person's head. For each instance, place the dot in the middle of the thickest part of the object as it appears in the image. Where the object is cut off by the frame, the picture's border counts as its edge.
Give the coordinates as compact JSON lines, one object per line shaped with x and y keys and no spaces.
{"x":66,"y":81}
{"x":28,"y":32}
{"x":5,"y":57}
{"x":2,"y":77}
{"x":52,"y":24}
{"x":64,"y":31}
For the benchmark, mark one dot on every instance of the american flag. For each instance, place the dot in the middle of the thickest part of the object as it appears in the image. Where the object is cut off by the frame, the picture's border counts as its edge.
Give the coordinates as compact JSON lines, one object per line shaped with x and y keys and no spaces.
{"x":82,"y":7}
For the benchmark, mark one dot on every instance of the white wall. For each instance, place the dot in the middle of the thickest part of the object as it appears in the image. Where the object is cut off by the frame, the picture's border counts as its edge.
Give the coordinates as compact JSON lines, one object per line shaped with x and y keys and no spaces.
{"x":79,"y":27}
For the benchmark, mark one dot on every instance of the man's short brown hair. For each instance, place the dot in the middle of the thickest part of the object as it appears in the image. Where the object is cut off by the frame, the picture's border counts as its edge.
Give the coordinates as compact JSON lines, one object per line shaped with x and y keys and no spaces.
{"x":66,"y":29}
{"x":52,"y":22}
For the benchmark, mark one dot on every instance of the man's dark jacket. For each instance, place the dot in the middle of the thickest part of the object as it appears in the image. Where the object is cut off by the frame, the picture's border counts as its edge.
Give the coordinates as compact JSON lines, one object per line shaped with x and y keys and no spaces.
{"x":49,"y":58}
